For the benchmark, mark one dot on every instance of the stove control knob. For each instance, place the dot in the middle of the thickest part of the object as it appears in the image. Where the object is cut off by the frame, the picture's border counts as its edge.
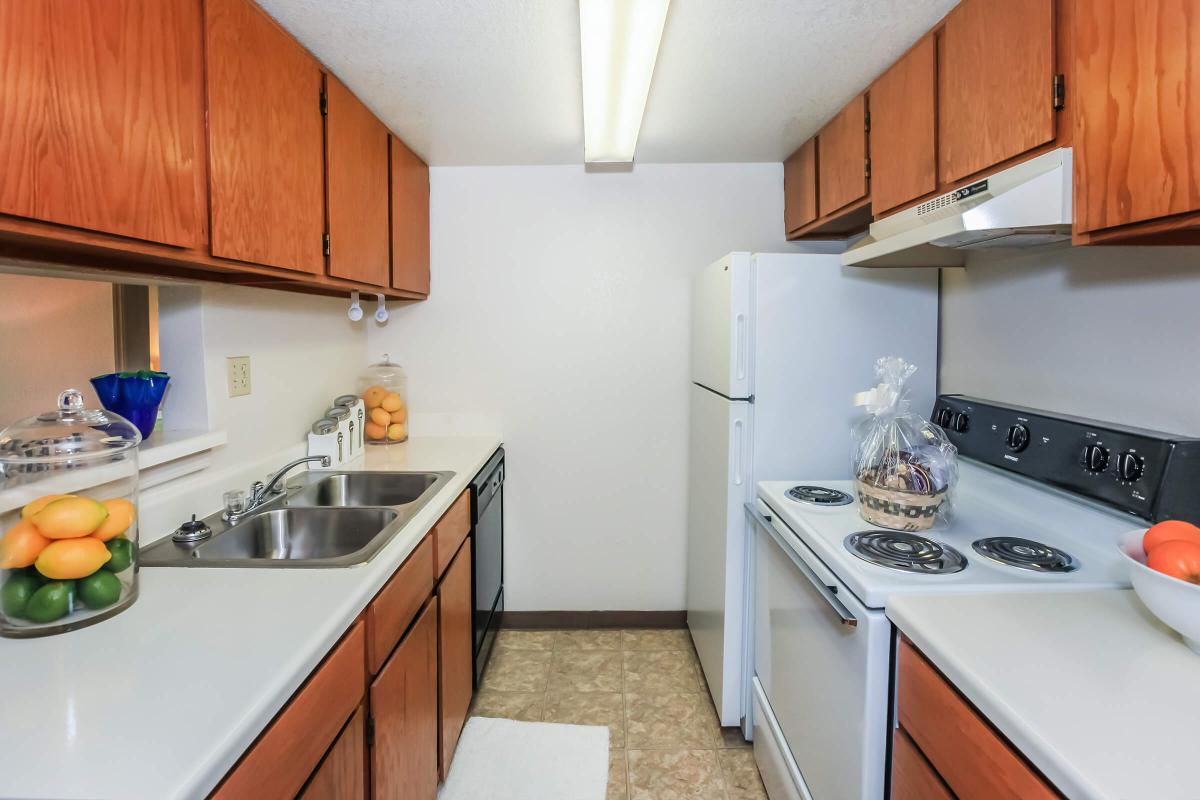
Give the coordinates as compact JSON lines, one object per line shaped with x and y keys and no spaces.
{"x":944,"y":417}
{"x":1017,"y":438}
{"x":1129,"y":467}
{"x":1095,"y":458}
{"x":961,"y":422}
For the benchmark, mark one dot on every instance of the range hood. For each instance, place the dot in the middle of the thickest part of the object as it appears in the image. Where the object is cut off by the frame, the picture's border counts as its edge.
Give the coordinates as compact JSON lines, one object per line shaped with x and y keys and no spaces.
{"x":1023,"y":206}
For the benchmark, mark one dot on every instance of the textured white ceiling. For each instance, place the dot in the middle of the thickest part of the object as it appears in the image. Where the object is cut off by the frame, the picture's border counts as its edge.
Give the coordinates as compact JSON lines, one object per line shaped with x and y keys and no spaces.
{"x":497,"y":81}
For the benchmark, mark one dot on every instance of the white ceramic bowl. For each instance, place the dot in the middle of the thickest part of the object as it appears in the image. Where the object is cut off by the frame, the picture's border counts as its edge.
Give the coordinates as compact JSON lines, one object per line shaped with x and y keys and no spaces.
{"x":1175,"y":602}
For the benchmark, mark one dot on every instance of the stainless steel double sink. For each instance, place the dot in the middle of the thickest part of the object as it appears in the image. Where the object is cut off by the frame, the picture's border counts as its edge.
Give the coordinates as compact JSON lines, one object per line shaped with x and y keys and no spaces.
{"x":322,"y":519}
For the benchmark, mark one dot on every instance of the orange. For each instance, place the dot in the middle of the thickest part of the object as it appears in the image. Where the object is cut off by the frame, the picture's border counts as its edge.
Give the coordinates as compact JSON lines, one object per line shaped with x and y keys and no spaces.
{"x":400,"y":416}
{"x":374,"y":396}
{"x":391,"y":402}
{"x":380,"y":417}
{"x":120,"y":517}
{"x":69,"y":517}
{"x":374,"y":431}
{"x":69,"y":559}
{"x":1169,"y":531}
{"x":21,"y":545}
{"x":37,"y":505}
{"x":397,"y":431}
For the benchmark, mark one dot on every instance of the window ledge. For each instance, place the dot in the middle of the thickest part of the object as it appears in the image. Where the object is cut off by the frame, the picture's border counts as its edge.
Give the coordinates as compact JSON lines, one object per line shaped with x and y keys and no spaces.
{"x":171,"y":454}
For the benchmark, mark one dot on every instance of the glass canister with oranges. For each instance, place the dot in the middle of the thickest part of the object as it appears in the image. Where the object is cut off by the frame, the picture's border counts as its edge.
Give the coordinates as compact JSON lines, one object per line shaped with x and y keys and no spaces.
{"x":68,"y":519}
{"x":384,"y":390}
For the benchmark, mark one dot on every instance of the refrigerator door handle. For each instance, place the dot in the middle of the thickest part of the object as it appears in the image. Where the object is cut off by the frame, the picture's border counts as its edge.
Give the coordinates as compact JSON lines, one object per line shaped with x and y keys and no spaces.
{"x":739,"y":435}
{"x":740,"y":345}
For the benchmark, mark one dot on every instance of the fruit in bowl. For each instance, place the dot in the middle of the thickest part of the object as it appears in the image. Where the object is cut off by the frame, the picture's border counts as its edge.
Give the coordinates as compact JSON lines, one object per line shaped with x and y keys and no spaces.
{"x":1164,"y":568}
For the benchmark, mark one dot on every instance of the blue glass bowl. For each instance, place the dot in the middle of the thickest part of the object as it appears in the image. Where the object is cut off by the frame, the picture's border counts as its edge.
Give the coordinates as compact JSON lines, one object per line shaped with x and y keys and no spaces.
{"x":136,"y":396}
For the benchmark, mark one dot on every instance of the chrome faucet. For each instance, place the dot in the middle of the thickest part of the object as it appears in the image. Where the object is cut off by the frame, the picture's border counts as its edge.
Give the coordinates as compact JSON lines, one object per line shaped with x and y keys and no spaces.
{"x":260,"y":492}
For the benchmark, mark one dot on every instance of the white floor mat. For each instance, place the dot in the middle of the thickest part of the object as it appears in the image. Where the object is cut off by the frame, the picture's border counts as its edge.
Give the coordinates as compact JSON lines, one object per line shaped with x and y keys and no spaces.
{"x":501,"y":759}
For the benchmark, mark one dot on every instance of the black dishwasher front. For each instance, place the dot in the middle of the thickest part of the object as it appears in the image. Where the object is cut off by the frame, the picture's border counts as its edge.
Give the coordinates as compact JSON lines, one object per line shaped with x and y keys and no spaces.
{"x":487,"y":530}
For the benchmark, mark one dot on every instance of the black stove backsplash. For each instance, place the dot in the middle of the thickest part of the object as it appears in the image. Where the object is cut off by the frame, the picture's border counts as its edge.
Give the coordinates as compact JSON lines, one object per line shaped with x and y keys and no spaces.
{"x":1152,"y":475}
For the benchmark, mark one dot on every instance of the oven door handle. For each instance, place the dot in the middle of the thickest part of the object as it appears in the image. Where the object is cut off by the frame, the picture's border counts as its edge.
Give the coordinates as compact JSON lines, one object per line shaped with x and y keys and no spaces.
{"x":828,"y":593}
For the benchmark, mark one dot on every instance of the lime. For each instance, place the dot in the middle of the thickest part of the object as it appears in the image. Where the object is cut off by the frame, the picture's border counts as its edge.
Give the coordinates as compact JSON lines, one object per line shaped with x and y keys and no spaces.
{"x":50,"y":602}
{"x":99,"y":589}
{"x":122,"y":554}
{"x":15,"y":594}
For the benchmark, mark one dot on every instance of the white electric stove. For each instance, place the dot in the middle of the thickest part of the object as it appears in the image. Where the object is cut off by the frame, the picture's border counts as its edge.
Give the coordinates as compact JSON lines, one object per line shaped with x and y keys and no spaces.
{"x":1040,"y":503}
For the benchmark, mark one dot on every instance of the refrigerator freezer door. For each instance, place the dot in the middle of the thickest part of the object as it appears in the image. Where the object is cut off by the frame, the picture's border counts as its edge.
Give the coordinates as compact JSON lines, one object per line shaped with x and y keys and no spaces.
{"x":722,"y":327}
{"x":718,"y":486}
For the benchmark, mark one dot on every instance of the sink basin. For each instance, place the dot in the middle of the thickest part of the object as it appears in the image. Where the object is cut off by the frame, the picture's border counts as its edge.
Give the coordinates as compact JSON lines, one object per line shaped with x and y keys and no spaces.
{"x":365,"y":489}
{"x":325,"y":519}
{"x":298,"y":534}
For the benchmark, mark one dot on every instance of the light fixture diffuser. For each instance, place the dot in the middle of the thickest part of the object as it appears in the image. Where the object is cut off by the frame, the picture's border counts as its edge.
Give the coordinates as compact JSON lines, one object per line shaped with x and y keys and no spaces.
{"x":619,"y":41}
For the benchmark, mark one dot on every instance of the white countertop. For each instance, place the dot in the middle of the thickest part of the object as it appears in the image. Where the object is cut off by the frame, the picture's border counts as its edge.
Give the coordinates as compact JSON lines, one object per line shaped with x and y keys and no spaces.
{"x":1090,"y":687}
{"x":162,"y":699}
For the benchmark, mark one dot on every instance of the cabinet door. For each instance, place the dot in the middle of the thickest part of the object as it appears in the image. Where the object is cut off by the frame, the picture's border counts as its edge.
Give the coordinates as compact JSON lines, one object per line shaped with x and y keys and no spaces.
{"x":903,"y":130}
{"x":410,"y":219}
{"x":800,"y":187}
{"x":404,"y":755}
{"x":842,"y":158}
{"x":912,"y":776}
{"x":455,"y":663}
{"x":100,"y":104}
{"x":343,"y":773}
{"x":995,"y":76}
{"x":265,"y":135}
{"x":356,"y":151}
{"x":1137,"y":117}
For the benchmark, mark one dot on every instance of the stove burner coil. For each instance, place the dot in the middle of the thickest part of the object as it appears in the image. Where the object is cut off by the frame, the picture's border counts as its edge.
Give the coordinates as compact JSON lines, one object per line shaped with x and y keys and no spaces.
{"x":906,"y":552}
{"x":819,"y":496}
{"x":1013,"y":551}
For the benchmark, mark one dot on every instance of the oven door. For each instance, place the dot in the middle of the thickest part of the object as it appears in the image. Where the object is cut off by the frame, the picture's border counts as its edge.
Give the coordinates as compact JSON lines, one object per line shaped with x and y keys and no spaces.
{"x":822,"y":661}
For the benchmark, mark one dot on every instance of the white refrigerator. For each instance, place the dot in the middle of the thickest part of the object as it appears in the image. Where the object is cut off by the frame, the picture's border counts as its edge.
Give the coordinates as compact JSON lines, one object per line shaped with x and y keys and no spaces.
{"x":780,"y":343}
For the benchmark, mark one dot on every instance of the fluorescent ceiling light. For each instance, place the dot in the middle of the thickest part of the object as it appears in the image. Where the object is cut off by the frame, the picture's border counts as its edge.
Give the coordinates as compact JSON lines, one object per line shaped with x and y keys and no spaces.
{"x":620,"y":40}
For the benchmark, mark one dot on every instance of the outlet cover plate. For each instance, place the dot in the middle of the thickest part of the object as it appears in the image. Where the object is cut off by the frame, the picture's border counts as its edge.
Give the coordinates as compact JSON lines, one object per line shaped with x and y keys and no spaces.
{"x":238,"y":375}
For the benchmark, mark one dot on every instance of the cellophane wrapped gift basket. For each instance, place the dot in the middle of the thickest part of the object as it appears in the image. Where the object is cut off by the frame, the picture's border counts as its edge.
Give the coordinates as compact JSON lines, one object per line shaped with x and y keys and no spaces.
{"x":904,"y":466}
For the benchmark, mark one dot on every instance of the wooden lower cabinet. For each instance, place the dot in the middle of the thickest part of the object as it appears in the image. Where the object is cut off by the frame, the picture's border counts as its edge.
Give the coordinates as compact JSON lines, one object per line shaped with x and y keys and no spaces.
{"x":456,"y":666}
{"x":404,"y":711}
{"x":343,"y":773}
{"x":912,"y":776}
{"x":954,"y":741}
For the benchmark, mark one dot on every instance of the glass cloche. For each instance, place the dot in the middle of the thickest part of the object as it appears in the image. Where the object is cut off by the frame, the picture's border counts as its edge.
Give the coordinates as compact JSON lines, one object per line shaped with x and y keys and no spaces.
{"x":384,"y":389}
{"x":68,"y":519}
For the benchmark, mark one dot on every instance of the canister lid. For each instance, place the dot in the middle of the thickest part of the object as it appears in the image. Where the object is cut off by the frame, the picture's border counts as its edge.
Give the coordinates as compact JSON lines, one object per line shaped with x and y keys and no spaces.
{"x":338,"y":412}
{"x":69,"y":433}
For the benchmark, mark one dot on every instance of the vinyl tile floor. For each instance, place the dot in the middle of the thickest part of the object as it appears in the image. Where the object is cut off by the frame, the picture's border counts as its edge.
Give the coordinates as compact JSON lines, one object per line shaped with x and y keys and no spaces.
{"x":646,"y":686}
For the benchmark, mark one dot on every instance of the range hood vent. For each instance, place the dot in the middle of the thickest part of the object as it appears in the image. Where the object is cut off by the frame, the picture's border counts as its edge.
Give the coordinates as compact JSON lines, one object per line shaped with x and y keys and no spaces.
{"x":1023,"y":206}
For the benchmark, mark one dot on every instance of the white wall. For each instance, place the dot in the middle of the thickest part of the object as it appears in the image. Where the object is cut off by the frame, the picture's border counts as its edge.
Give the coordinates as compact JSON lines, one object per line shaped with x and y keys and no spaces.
{"x":559,"y":314}
{"x":1108,"y":333}
{"x":54,"y":334}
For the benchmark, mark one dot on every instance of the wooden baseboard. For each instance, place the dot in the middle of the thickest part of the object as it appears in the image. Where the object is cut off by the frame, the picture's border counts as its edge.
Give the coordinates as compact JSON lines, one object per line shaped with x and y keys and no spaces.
{"x":535,"y":620}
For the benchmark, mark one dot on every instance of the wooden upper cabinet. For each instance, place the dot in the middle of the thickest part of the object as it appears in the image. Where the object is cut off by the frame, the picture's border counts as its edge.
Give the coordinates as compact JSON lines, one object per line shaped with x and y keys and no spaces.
{"x":410,"y":219}
{"x":903,"y":129}
{"x":404,"y":705}
{"x":1137,"y":114}
{"x":995,"y":79}
{"x":356,"y":154}
{"x":842,"y":158}
{"x":265,"y":139}
{"x":800,"y":187}
{"x":455,"y":664}
{"x":100,"y":115}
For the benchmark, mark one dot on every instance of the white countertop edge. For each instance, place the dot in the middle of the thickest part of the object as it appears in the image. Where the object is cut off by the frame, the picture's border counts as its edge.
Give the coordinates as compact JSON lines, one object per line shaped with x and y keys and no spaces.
{"x":164,"y":446}
{"x":376,"y":572}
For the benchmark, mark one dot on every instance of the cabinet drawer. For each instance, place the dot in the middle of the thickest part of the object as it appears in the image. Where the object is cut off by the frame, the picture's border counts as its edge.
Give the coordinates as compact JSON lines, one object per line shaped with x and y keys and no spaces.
{"x":974,"y":760}
{"x":279,"y":763}
{"x":912,"y":777}
{"x":398,"y":602}
{"x":342,"y":774}
{"x":451,"y":530}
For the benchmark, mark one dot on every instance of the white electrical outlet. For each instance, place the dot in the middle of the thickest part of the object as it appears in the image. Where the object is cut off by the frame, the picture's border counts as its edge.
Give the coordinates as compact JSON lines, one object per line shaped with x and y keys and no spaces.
{"x":238,"y":373}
